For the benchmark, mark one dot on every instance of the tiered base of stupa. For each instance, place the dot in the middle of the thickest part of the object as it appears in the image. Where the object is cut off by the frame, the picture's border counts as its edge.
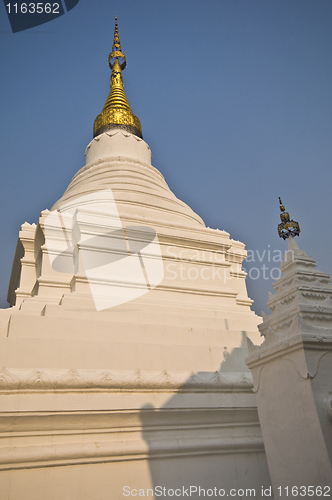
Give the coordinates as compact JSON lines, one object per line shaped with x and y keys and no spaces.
{"x":110,"y":386}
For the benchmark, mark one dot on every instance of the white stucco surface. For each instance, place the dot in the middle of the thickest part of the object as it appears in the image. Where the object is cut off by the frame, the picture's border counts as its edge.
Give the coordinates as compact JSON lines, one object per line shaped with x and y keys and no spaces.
{"x":152,"y":390}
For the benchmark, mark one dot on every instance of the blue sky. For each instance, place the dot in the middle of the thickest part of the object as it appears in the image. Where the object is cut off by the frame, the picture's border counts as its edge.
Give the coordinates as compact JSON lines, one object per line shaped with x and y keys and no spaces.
{"x":234,"y":98}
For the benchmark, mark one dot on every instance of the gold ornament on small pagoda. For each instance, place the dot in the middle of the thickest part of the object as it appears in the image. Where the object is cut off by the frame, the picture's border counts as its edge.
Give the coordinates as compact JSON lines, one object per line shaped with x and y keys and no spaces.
{"x":287,"y":227}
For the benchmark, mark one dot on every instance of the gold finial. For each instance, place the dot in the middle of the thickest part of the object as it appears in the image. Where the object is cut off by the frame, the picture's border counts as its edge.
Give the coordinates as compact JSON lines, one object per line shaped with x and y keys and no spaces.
{"x":287,"y":227}
{"x":117,"y":112}
{"x":116,"y":49}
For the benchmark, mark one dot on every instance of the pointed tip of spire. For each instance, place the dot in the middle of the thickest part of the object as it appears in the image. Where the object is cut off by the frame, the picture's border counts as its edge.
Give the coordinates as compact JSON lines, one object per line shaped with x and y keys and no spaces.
{"x":282,"y":208}
{"x":117,"y":52}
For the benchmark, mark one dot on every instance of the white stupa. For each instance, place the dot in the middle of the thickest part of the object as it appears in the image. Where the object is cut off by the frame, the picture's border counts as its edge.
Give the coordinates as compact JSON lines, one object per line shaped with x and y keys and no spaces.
{"x":123,"y":348}
{"x":292,"y":372}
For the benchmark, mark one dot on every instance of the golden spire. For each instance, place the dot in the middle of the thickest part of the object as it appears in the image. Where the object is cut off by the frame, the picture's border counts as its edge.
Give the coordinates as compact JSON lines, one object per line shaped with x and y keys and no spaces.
{"x":287,"y":227}
{"x":117,"y":112}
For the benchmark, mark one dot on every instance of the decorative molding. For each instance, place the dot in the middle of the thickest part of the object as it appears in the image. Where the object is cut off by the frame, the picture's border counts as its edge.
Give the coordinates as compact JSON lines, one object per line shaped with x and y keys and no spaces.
{"x":103,"y":450}
{"x":33,"y":439}
{"x":294,"y":333}
{"x":41,"y":380}
{"x":117,"y":160}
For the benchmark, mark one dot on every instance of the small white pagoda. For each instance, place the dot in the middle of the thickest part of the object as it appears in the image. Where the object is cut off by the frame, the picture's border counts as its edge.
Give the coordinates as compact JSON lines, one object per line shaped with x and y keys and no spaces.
{"x":292,"y":372}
